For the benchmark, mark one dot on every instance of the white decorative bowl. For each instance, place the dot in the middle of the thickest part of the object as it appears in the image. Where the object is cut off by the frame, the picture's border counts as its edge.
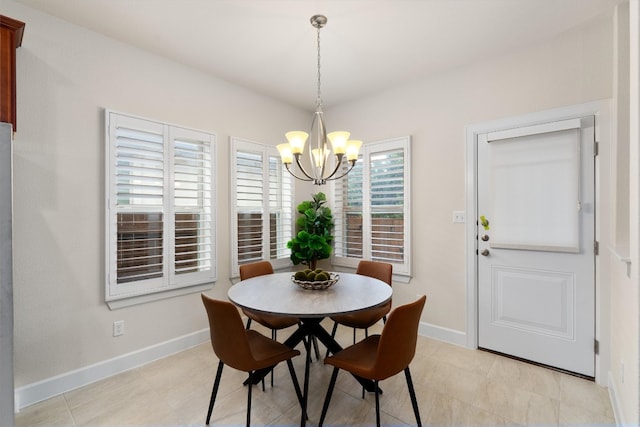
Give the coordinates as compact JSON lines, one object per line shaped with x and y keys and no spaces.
{"x":317,"y":285}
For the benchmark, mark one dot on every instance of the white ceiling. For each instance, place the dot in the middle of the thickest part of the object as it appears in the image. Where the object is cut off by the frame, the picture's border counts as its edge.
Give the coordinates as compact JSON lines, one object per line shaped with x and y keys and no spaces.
{"x":367,"y":45}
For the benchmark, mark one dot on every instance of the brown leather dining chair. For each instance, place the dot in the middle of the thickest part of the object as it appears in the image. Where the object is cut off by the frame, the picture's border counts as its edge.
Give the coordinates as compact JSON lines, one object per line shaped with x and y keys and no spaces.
{"x":242,"y":349}
{"x":379,"y":357}
{"x":367,"y":318}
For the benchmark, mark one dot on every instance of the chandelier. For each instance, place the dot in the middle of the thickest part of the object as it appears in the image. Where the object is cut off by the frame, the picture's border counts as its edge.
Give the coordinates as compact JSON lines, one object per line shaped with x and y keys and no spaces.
{"x":322,"y":169}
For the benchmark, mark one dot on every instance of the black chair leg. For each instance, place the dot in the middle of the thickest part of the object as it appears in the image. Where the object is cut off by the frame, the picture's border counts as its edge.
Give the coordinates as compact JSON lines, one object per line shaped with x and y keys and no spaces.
{"x":412,"y":393}
{"x":377,"y":404}
{"x":250,"y":385}
{"x":214,"y":392}
{"x":327,"y":399}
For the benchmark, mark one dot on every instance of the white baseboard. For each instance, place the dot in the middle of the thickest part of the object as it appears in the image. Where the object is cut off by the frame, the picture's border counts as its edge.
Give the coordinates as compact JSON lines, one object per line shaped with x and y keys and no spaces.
{"x":54,"y":386}
{"x":615,"y":402}
{"x":42,"y":390}
{"x":442,"y":334}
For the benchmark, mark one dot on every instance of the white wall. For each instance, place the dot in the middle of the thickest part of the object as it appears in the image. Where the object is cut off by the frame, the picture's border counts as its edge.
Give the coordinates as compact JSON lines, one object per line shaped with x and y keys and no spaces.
{"x":66,"y":76}
{"x":625,"y":277}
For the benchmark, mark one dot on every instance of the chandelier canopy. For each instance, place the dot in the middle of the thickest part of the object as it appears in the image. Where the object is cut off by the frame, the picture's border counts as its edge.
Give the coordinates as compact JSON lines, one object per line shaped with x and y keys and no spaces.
{"x":322,"y":169}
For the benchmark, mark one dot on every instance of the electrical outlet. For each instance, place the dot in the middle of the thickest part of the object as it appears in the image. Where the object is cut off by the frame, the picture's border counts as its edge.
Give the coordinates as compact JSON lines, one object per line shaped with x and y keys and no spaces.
{"x":118,"y":328}
{"x":458,"y":217}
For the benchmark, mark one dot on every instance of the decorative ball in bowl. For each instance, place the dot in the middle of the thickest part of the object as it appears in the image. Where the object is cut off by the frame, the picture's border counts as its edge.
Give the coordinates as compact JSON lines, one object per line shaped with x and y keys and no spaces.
{"x":315,"y":279}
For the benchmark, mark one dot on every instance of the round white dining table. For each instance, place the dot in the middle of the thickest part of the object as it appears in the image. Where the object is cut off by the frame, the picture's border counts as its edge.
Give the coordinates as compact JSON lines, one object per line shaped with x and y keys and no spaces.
{"x":277,"y":294}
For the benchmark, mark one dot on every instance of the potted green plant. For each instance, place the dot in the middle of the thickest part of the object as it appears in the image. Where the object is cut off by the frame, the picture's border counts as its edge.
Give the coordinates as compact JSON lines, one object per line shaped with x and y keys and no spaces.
{"x":313,"y":238}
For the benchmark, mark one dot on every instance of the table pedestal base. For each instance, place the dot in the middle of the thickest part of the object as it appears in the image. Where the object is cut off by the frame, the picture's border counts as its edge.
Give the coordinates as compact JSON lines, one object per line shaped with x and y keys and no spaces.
{"x":310,"y":327}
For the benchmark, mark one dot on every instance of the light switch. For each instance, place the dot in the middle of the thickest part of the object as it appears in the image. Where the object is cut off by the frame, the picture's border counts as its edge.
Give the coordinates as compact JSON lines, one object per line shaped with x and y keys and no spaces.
{"x":458,"y":217}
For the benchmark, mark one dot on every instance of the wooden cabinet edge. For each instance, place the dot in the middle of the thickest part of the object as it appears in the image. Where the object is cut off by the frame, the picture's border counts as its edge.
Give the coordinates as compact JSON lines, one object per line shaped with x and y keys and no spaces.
{"x":11,"y":32}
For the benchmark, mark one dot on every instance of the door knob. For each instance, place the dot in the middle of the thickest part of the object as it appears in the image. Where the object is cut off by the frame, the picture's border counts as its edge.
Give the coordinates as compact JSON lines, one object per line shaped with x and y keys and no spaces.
{"x":485,"y":252}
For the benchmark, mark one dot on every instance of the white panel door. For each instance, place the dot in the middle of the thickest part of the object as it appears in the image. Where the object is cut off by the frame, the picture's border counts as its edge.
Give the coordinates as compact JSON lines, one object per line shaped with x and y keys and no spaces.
{"x":536,"y":233}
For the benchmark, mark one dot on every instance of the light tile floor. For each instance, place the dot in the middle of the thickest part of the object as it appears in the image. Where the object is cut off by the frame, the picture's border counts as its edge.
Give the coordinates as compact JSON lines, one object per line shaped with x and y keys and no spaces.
{"x":455,"y":387}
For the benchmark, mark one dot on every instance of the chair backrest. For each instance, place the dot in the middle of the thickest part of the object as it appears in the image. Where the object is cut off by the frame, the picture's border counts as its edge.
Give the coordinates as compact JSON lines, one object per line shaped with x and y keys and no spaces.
{"x":228,"y":335}
{"x":398,"y":339}
{"x":378,"y":270}
{"x":260,"y":268}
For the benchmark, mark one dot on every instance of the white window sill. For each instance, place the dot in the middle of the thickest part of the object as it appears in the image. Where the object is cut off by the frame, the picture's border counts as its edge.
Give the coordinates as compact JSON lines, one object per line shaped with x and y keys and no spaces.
{"x":342,"y":266}
{"x":156,"y":296}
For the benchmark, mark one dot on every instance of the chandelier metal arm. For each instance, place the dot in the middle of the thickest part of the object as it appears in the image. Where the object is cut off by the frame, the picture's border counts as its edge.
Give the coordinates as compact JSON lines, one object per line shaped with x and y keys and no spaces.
{"x":309,"y":177}
{"x":332,"y":178}
{"x":286,"y":165}
{"x":335,"y":170}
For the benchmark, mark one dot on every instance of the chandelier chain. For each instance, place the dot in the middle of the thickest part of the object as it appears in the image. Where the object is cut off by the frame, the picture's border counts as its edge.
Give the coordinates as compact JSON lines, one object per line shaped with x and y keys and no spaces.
{"x":319,"y":100}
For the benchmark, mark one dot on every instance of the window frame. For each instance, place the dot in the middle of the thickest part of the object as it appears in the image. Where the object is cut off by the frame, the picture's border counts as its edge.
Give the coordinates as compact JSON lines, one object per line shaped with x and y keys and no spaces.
{"x":267,"y":152}
{"x":401,"y":271}
{"x":169,"y":284}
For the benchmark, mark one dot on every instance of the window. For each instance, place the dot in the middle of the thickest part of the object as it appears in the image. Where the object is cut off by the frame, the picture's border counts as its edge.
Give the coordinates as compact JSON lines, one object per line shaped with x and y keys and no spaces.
{"x":371,"y":209}
{"x":262,"y":214}
{"x":160,"y":215}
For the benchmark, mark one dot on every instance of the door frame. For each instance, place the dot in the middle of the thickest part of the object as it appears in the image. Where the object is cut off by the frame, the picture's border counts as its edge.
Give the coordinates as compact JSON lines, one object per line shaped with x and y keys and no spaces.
{"x":602,"y":110}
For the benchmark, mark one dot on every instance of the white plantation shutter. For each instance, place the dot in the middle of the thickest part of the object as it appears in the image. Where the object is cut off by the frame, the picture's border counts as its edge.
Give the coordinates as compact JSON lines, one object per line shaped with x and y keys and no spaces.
{"x":263,"y":208}
{"x":347,"y":217}
{"x":372,"y":210}
{"x":192,"y":198}
{"x":280,"y":208}
{"x":249,"y":206}
{"x":387,"y":206}
{"x":139,"y":200}
{"x":160,"y":233}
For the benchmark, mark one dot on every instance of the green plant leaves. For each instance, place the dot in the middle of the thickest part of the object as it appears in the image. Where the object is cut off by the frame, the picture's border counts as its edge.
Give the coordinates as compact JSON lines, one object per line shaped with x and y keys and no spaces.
{"x":302,"y":207}
{"x":313,"y":240}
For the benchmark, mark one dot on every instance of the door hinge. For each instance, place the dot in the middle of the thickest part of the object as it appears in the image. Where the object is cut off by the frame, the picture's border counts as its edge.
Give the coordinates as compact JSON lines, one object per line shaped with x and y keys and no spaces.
{"x":596,"y":346}
{"x":596,"y":148}
{"x":596,"y":248}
